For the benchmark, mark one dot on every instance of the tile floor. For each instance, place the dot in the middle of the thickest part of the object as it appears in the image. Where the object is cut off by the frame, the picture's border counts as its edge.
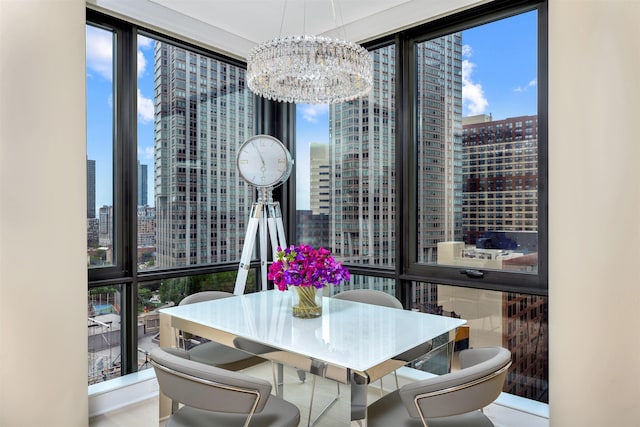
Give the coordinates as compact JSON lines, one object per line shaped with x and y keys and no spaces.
{"x":145,"y":414}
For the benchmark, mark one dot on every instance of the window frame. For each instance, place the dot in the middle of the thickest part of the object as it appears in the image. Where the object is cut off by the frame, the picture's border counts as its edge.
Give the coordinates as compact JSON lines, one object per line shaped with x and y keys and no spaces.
{"x":124,"y":270}
{"x":410,"y":269}
{"x":278,"y":119}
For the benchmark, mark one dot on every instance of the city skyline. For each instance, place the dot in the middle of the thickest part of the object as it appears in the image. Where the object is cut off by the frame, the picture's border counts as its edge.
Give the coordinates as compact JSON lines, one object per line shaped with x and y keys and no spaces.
{"x":491,"y":85}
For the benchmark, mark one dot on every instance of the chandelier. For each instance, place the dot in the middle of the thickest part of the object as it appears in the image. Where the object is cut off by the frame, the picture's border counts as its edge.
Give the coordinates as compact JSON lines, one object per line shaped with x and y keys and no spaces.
{"x":309,"y":70}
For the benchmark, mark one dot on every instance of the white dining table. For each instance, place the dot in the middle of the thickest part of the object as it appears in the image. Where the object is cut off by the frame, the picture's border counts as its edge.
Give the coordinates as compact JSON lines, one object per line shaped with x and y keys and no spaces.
{"x":353,"y":343}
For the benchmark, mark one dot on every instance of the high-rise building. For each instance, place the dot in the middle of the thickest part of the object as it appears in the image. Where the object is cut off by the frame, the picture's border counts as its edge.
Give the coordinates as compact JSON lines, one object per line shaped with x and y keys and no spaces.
{"x":438,"y":129}
{"x":500,"y":176}
{"x":312,"y":229}
{"x":203,"y":113}
{"x":105,"y":226}
{"x":525,"y":334}
{"x":92,"y":232}
{"x":142,"y":184}
{"x":362,"y":157}
{"x":146,"y":226}
{"x":320,"y":179}
{"x":91,"y":188}
{"x":500,"y":201}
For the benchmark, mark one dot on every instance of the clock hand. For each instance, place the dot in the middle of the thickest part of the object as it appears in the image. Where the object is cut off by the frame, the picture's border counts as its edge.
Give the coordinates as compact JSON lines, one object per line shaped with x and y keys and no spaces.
{"x":259,"y":153}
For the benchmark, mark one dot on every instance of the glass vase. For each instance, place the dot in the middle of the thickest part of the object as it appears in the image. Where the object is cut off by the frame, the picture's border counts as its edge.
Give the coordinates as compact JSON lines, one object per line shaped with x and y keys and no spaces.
{"x":306,"y":301}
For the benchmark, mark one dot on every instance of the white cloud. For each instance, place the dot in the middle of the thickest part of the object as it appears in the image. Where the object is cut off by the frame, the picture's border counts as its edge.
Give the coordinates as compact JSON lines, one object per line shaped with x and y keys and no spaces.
{"x":532,"y":83}
{"x":467,"y":51}
{"x":145,"y":108}
{"x":100,"y":52}
{"x":142,"y":63}
{"x":145,"y":42}
{"x":312,"y":112}
{"x":473,"y":97}
{"x":145,"y":153}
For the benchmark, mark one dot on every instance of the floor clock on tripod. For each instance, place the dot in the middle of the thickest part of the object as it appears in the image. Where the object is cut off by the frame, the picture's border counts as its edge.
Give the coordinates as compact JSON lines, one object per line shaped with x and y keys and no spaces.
{"x":265,"y":163}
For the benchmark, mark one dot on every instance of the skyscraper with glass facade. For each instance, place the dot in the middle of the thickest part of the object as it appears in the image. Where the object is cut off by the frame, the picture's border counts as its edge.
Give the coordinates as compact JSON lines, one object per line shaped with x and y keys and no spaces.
{"x":203,"y":112}
{"x":362,"y":157}
{"x":319,"y":179}
{"x":438,"y":130}
{"x":142,"y":184}
{"x":363,"y":153}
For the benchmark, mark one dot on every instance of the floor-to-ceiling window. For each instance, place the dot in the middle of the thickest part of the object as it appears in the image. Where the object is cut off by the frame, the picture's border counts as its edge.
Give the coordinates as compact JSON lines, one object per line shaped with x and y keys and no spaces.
{"x":166,"y":206}
{"x":458,"y":173}
{"x":432,"y":187}
{"x":477,"y":185}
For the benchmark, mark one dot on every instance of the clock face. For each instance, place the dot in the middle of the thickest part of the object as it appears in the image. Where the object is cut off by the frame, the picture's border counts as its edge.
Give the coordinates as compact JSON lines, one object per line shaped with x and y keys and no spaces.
{"x":264,"y":161}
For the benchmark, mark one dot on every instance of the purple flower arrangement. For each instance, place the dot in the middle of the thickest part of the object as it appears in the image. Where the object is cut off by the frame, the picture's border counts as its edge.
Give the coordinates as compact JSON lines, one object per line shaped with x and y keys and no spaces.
{"x":305,"y":266}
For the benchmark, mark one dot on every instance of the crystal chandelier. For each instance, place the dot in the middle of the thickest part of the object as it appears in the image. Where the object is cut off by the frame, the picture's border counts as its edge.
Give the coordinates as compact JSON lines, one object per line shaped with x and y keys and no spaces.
{"x":309,"y":70}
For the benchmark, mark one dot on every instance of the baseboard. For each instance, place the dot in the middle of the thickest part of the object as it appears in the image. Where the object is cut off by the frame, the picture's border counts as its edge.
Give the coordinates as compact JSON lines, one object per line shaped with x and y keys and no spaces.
{"x":122,"y":391}
{"x":522,"y":404}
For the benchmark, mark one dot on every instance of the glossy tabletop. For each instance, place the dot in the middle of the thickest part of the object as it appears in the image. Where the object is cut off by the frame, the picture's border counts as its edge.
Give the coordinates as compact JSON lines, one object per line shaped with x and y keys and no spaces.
{"x":348,"y":334}
{"x":352,"y":342}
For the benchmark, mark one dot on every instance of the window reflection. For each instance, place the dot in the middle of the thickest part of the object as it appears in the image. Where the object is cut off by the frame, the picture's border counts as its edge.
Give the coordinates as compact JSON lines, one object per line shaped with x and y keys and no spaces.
{"x":346,"y":172}
{"x":515,"y":321}
{"x":476,"y":136}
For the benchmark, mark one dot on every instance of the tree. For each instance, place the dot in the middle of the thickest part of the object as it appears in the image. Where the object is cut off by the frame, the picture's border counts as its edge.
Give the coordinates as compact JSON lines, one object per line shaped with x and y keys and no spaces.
{"x":176,"y":289}
{"x":144,"y":295}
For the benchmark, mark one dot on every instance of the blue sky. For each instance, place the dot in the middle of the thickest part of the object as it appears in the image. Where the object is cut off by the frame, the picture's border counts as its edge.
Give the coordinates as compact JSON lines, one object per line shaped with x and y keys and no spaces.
{"x":499,"y":78}
{"x":100,"y":113}
{"x":500,"y":68}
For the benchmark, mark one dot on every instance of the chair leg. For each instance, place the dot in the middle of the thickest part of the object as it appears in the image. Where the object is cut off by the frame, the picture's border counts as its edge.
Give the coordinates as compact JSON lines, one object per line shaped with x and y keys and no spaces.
{"x":395,"y":375}
{"x":273,"y":371}
{"x":326,"y":408}
{"x":313,"y":391}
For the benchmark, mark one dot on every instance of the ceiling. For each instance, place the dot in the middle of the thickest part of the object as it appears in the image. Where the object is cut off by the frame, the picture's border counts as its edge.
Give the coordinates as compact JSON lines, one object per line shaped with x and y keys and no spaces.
{"x":235,"y":26}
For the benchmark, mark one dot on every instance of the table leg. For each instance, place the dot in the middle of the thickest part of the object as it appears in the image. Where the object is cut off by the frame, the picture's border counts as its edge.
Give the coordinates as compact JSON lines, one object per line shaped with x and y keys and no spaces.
{"x":358,"y":400}
{"x":451,"y":347}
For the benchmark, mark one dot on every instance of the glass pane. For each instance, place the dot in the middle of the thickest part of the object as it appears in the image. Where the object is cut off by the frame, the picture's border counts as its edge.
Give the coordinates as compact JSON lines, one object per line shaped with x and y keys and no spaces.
{"x":477,"y":147}
{"x":103,"y":322}
{"x":193,"y":112}
{"x":365,"y":282}
{"x":518,"y":322}
{"x":145,"y":192}
{"x":168,"y":292}
{"x":100,"y":143}
{"x":346,"y":172}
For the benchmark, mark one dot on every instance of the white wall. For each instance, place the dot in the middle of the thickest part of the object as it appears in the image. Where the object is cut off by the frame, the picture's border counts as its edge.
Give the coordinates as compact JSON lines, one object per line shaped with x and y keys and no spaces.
{"x":594,"y":210}
{"x":43,"y":276}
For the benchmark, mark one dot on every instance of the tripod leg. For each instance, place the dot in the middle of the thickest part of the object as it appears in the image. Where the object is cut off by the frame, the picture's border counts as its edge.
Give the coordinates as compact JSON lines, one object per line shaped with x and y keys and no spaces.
{"x":263,"y":248}
{"x":276,"y":229}
{"x":247,"y":250}
{"x":272,"y":235}
{"x":281,"y":238}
